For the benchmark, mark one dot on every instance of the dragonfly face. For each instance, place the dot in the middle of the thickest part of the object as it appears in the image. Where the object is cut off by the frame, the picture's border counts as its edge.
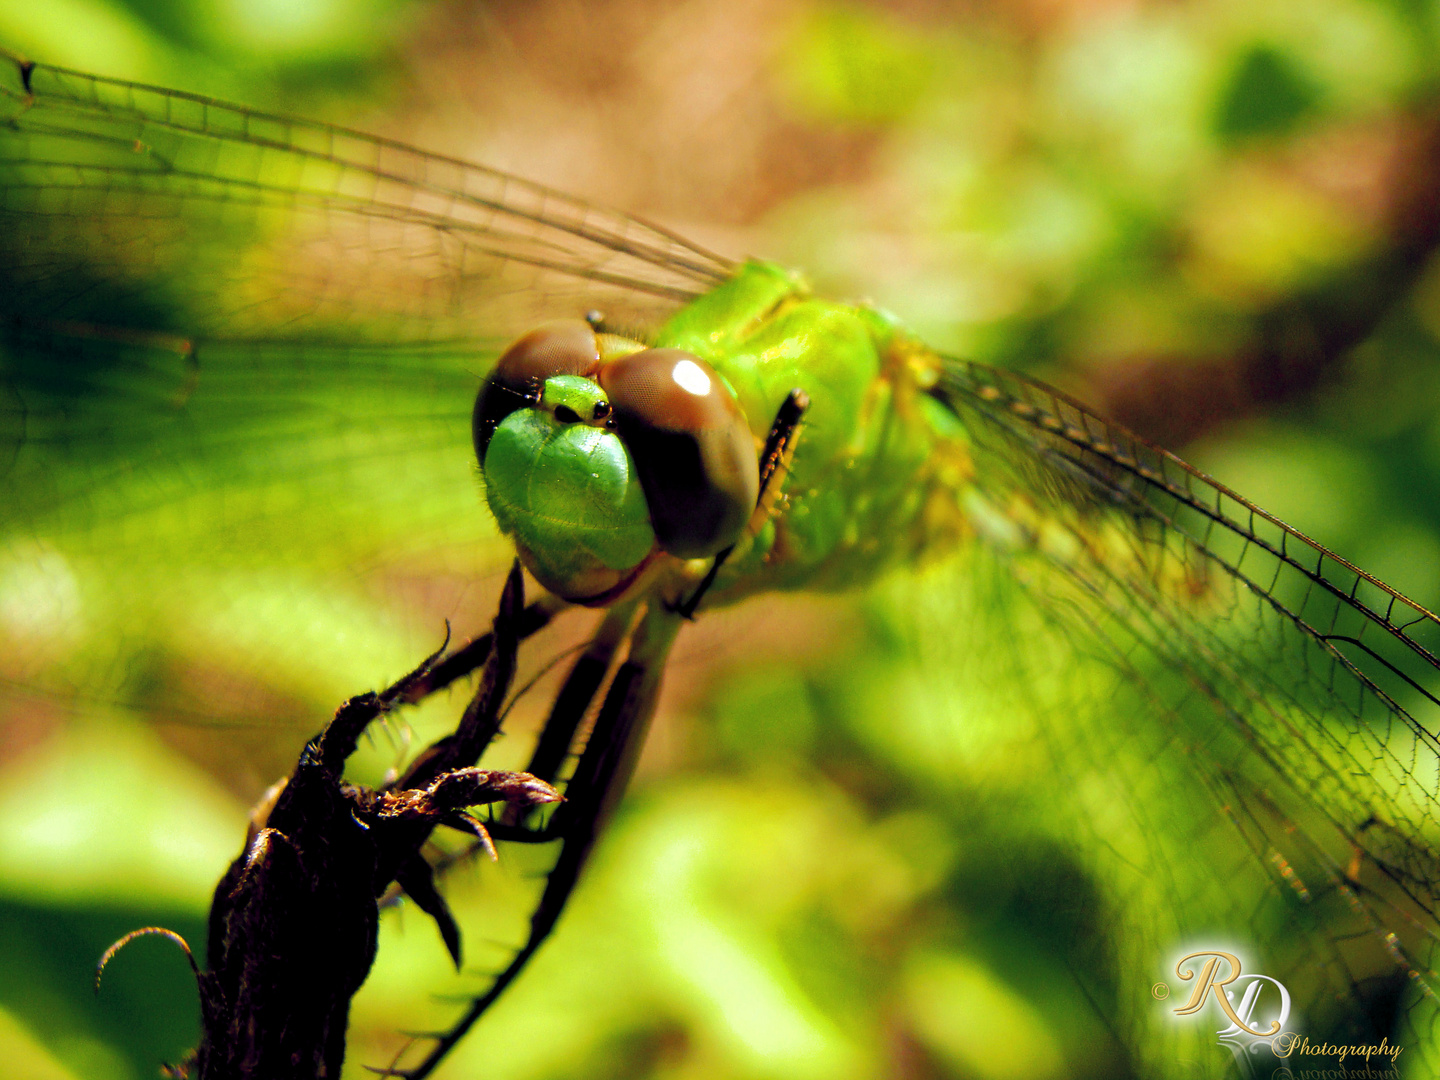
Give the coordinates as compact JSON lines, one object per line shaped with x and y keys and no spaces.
{"x":1177,"y":717}
{"x":595,"y":450}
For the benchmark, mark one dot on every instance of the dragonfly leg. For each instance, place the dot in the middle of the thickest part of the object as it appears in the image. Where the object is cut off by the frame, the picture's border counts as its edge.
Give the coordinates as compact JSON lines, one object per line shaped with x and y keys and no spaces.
{"x":474,"y":653}
{"x":480,"y":722}
{"x":581,"y":686}
{"x":600,"y":778}
{"x":774,"y":462}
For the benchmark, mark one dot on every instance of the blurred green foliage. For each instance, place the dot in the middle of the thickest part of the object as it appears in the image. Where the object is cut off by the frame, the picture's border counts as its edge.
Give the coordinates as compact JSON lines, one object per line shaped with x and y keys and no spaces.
{"x":835,"y":865}
{"x":1268,"y":94}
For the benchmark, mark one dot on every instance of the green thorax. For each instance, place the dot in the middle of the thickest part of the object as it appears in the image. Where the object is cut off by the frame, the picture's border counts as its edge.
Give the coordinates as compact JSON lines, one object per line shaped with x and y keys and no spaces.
{"x":880,"y":466}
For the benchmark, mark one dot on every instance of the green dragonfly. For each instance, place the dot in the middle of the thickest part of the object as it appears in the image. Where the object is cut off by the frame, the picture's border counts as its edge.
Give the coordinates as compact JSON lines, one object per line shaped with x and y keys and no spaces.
{"x":241,"y":360}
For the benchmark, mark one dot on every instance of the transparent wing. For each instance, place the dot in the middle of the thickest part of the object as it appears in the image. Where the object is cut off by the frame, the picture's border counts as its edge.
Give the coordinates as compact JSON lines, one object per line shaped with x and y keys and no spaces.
{"x":226,"y":222}
{"x":1264,"y":767}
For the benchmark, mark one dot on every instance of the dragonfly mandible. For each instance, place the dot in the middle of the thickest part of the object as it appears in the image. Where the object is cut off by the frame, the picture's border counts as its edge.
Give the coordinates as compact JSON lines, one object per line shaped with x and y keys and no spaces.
{"x":241,"y":355}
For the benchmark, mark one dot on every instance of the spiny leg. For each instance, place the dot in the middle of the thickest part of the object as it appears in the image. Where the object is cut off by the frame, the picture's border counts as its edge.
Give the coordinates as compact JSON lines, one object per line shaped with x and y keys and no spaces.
{"x":774,"y":462}
{"x":481,"y":720}
{"x":417,"y":876}
{"x":557,"y":735}
{"x":471,"y":655}
{"x":593,"y":790}
{"x":581,"y":685}
{"x":338,"y":741}
{"x":450,"y":759}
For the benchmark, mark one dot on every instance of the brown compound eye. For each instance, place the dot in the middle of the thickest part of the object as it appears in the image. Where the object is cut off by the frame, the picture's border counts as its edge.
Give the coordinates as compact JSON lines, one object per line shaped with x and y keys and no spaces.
{"x":692,"y":446}
{"x":563,"y":347}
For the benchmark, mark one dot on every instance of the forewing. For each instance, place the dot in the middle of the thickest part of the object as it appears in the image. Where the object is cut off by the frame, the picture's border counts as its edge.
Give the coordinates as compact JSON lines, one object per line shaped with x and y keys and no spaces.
{"x":226,"y":222}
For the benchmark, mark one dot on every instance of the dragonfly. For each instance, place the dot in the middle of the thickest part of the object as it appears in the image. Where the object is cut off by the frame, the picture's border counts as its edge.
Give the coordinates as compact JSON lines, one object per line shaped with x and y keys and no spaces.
{"x":242,"y":355}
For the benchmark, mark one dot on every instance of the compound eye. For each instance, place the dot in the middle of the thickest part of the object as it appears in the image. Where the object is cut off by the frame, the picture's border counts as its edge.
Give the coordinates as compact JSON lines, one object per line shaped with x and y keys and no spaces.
{"x":563,"y":347}
{"x":693,"y":448}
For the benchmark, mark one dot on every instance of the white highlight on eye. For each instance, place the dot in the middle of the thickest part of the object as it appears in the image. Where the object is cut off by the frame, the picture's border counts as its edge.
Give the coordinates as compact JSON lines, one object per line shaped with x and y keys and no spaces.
{"x":689,"y":376}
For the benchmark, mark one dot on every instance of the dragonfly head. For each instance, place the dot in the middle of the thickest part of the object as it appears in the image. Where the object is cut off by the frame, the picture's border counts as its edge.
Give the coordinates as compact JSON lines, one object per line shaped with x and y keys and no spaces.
{"x":598,"y":452}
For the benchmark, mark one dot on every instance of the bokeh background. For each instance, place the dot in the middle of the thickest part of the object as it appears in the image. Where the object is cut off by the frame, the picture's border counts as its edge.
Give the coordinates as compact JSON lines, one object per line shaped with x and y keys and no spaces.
{"x":1211,"y":220}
